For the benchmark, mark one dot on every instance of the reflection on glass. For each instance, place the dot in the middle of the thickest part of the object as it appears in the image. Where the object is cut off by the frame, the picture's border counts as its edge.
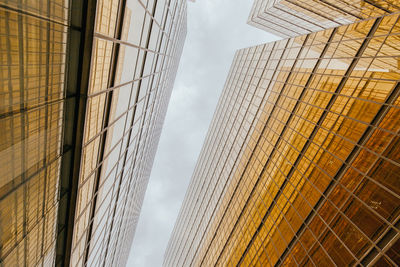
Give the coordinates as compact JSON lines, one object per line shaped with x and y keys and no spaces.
{"x":301,"y":163}
{"x":287,"y":18}
{"x":124,"y":111}
{"x":32,"y":71}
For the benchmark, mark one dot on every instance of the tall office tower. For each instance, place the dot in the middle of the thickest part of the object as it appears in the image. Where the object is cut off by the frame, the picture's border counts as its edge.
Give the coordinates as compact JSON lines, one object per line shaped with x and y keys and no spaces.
{"x":289,"y":18}
{"x":301,"y":164}
{"x":83,"y":95}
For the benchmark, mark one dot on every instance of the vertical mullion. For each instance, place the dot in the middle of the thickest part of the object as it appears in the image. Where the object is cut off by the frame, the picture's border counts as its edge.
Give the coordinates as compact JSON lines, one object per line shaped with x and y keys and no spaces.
{"x":47,"y":133}
{"x":21,"y":55}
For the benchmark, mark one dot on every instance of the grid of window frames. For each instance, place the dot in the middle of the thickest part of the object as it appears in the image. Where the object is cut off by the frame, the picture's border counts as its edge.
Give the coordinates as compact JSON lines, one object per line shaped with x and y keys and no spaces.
{"x":33,"y":37}
{"x":301,"y":163}
{"x":136,"y":51}
{"x":289,"y":18}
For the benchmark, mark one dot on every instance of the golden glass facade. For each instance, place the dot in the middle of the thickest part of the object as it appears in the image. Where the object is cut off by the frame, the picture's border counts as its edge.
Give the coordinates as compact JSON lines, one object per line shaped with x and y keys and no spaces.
{"x":289,"y":18}
{"x":84,"y":90}
{"x":301,"y":164}
{"x":33,"y":37}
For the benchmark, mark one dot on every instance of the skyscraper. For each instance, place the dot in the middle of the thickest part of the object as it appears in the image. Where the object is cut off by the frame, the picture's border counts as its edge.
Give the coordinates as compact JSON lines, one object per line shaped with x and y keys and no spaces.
{"x":83,"y":95}
{"x":288,"y":18}
{"x":301,"y":163}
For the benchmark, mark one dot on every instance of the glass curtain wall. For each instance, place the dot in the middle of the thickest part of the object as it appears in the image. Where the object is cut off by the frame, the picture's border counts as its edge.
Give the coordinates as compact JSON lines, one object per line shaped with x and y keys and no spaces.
{"x":136,"y":49}
{"x":301,"y":162}
{"x":33,"y":40}
{"x":134,"y":53}
{"x":288,"y":18}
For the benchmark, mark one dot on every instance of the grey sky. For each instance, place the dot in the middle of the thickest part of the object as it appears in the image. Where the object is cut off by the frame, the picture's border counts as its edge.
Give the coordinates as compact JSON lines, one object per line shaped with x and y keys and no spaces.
{"x":216,"y":29}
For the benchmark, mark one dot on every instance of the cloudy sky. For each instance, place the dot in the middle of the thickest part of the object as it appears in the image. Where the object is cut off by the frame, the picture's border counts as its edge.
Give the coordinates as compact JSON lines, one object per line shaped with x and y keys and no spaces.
{"x":216,"y":29}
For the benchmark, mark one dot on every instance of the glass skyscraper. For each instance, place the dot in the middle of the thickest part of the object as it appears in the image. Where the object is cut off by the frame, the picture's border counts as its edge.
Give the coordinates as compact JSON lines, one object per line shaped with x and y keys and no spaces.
{"x":301,"y":163}
{"x":288,"y":18}
{"x":83,"y":95}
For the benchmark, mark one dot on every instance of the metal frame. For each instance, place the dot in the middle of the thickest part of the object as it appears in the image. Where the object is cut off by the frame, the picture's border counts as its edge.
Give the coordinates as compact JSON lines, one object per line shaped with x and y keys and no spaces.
{"x":79,"y":53}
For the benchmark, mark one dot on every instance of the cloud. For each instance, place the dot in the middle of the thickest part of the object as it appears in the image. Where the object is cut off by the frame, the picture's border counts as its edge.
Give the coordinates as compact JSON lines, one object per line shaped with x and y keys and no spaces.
{"x":216,"y":29}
